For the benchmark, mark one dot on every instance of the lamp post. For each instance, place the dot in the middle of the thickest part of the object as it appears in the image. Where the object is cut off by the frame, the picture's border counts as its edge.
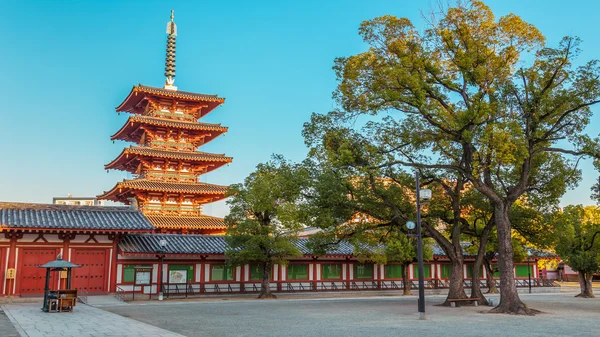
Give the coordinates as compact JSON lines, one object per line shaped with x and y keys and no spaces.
{"x":425,"y":194}
{"x":163,"y":245}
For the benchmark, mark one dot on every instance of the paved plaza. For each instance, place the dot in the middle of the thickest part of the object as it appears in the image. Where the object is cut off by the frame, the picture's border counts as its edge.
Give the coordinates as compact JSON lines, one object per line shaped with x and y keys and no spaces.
{"x":563,"y":315}
{"x":84,"y":321}
{"x":375,"y":316}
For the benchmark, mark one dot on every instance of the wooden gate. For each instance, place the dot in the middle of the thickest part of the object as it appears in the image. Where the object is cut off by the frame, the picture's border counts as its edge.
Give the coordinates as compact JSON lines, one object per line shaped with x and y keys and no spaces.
{"x":31,"y":278}
{"x":92,"y":275}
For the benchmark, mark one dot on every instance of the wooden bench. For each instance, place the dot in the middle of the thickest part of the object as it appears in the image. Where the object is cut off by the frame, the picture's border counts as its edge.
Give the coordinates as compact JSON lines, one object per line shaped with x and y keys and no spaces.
{"x":66,"y":299}
{"x":453,"y":301}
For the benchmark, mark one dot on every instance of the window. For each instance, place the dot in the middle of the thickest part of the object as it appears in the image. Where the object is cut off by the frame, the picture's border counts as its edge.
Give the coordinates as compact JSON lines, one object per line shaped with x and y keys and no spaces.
{"x":297,"y":272}
{"x":332,"y":271}
{"x":393,"y":271}
{"x":363,"y":271}
{"x":129,"y":271}
{"x":446,"y":270}
{"x":256,"y":272}
{"x":220,"y":272}
{"x":470,"y":272}
{"x":523,"y":271}
{"x":181,"y":273}
{"x":426,"y":271}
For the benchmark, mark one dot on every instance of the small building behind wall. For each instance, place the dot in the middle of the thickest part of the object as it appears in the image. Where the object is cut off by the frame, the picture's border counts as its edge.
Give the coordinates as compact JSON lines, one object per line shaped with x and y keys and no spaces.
{"x":34,"y":234}
{"x":196,"y":264}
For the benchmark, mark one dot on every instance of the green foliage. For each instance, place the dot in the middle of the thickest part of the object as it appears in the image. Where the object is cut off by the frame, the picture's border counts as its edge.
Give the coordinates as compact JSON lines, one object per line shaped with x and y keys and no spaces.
{"x":576,"y":230}
{"x":263,"y":221}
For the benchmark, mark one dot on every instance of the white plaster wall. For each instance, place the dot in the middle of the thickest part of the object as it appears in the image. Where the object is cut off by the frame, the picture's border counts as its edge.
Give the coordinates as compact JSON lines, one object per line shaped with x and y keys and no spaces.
{"x":51,"y":238}
{"x":344,"y":268}
{"x":29,"y":237}
{"x":155,"y":272}
{"x":310,"y":272}
{"x":102,"y":239}
{"x":246,"y":272}
{"x":375,"y":273}
{"x":351,"y":271}
{"x":275,"y":272}
{"x":238,"y":273}
{"x":318,"y":272}
{"x":165,"y":273}
{"x":198,"y":269}
{"x":119,"y":273}
{"x":206,"y":272}
{"x":283,"y":273}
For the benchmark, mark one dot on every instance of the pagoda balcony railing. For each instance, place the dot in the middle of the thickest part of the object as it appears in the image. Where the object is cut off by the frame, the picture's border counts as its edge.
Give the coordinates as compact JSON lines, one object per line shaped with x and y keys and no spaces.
{"x":171,"y":209}
{"x":173,"y":145}
{"x":170,"y":176}
{"x":172,"y":115}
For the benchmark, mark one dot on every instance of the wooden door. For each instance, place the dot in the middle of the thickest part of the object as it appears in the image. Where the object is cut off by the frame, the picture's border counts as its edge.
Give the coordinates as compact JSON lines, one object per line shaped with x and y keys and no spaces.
{"x":92,"y":275}
{"x":33,"y":279}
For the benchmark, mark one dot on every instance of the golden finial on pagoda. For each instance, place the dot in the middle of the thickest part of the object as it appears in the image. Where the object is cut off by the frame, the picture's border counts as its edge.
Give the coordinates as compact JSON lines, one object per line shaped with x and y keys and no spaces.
{"x":170,"y":58}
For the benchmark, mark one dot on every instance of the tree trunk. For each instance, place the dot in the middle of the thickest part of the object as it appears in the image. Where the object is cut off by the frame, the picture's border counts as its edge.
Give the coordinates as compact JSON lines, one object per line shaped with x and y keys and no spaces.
{"x":491,"y":283}
{"x":405,"y":281}
{"x":475,"y":285}
{"x":510,"y":302}
{"x":265,"y":286}
{"x":585,"y":283}
{"x":456,"y":289}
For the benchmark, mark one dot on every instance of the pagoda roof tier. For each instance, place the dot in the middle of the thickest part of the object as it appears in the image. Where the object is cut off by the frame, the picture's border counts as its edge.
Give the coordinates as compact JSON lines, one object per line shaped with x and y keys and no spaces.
{"x":128,"y":160}
{"x":186,"y":222}
{"x":124,"y":189}
{"x":134,"y":101}
{"x":128,"y":131}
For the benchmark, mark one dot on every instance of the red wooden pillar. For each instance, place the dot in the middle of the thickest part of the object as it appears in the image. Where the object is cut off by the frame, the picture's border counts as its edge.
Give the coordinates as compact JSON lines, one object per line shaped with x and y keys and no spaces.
{"x":114,"y":264}
{"x":242,"y":278}
{"x":65,"y":256}
{"x":203,"y":274}
{"x":279,"y":273}
{"x":315,"y":274}
{"x":12,"y":261}
{"x":348,"y":266}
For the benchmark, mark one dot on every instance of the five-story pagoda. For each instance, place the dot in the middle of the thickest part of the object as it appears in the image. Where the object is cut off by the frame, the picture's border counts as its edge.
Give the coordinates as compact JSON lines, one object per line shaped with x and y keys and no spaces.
{"x":165,"y":162}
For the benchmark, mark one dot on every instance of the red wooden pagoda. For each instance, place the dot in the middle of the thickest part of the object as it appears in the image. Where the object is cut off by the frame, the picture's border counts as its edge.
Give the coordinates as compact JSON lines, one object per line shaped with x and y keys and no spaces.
{"x":165,"y":162}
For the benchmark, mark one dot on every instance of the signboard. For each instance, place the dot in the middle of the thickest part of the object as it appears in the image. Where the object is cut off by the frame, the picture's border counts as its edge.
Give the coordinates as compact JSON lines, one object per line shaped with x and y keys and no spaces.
{"x":143,"y":277}
{"x":10,"y":273}
{"x":178,"y":276}
{"x":63,"y":274}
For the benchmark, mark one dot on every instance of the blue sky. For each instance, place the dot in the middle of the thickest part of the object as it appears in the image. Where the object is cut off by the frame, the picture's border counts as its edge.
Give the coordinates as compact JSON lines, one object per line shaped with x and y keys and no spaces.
{"x":66,"y":65}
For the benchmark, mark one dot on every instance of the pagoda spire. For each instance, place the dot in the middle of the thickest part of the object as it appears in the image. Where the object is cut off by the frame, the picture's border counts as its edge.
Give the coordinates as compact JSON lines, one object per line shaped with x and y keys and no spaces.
{"x":170,"y":57}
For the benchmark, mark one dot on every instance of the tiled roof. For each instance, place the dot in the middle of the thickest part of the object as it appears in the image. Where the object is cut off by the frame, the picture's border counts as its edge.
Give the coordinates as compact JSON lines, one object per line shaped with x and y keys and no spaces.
{"x":176,"y":187}
{"x":50,"y":216}
{"x":169,"y":154}
{"x":187,"y":222}
{"x":177,"y":93}
{"x":134,"y":101}
{"x":195,"y":155}
{"x":134,"y":121}
{"x":201,"y":244}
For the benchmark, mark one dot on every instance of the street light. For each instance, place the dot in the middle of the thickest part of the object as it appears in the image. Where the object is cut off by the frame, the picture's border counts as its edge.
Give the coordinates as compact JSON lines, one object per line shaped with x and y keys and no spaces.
{"x":162,"y":250}
{"x":425,"y":194}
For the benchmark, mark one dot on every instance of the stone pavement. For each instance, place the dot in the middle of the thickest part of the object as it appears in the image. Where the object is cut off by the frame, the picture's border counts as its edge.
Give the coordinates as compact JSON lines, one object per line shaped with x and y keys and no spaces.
{"x":84,"y":321}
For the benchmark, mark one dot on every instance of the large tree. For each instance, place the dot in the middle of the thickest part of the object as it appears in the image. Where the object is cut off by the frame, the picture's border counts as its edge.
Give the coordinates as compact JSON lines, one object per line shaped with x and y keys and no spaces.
{"x":262,"y":223}
{"x":576,"y":230}
{"x":459,"y":97}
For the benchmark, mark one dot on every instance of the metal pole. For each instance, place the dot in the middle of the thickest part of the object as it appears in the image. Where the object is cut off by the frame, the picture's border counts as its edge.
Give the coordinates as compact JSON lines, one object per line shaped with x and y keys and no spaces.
{"x":420,"y":252}
{"x":160,"y":279}
{"x":529,"y":274}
